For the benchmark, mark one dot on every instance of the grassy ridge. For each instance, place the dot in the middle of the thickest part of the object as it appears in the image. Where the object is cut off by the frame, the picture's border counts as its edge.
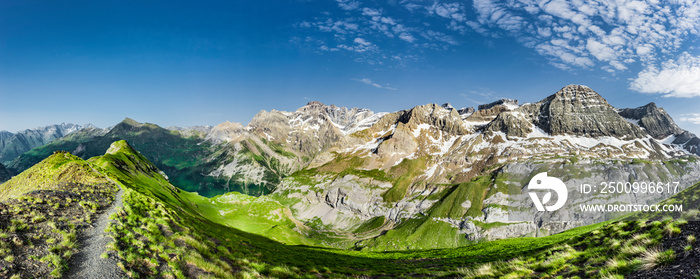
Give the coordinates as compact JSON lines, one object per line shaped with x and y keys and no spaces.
{"x":62,"y":167}
{"x":55,"y":201}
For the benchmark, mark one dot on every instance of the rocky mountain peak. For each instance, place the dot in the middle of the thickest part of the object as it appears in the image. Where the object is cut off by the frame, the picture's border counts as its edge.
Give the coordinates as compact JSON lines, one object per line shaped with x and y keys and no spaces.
{"x":465,"y":111}
{"x":5,"y":134}
{"x":509,"y":103}
{"x":447,"y":120}
{"x":228,"y":125}
{"x":654,"y":119}
{"x":313,"y":127}
{"x":574,"y":89}
{"x":226,"y":132}
{"x":315,"y":103}
{"x":578,"y":110}
{"x":130,"y":122}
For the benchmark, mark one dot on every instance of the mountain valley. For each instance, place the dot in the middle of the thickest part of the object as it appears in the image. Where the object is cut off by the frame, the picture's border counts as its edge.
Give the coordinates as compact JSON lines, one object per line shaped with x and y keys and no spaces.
{"x":367,"y":188}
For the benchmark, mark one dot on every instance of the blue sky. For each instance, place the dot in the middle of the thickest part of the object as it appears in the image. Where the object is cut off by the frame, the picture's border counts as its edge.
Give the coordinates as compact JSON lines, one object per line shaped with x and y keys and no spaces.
{"x":181,"y":63}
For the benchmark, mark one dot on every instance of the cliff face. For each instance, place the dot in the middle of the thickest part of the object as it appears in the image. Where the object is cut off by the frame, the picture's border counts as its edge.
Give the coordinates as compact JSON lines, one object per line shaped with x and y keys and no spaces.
{"x":653,"y":119}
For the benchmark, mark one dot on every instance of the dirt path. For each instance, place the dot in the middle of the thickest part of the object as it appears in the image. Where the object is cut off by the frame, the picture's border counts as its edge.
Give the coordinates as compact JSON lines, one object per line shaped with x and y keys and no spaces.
{"x":87,"y":263}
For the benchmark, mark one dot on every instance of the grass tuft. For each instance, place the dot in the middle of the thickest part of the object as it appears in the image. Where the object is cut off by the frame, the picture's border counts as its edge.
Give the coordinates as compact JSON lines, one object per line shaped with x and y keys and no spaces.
{"x":654,"y":258}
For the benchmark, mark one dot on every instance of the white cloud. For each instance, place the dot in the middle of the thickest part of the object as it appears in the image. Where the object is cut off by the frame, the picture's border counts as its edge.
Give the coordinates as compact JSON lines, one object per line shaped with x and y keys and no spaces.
{"x":676,"y":78}
{"x":348,"y":4}
{"x":611,"y":34}
{"x":359,"y":45}
{"x":454,"y":11}
{"x":607,"y":34}
{"x":370,"y":12}
{"x":370,"y":82}
{"x":454,"y":26}
{"x":440,"y":37}
{"x":337,"y":26}
{"x":361,"y":27}
{"x":601,"y":51}
{"x":407,"y":37}
{"x":362,"y":41}
{"x":691,"y":117}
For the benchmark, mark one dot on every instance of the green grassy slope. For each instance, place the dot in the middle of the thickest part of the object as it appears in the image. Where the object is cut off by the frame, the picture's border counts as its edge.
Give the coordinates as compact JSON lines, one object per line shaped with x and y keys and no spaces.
{"x":61,"y":167}
{"x":260,"y":215}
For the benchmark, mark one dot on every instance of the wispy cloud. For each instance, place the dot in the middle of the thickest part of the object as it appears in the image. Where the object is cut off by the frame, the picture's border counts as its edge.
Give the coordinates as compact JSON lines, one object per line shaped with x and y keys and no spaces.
{"x":571,"y":34}
{"x":370,"y":82}
{"x":675,"y":78}
{"x":583,"y":34}
{"x":382,"y":26}
{"x":348,"y":4}
{"x":480,"y":96}
{"x":453,"y":11}
{"x":691,"y":117}
{"x":359,"y":45}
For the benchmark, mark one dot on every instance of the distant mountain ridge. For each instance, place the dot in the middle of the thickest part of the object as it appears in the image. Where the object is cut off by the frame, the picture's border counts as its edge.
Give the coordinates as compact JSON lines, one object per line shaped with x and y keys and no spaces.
{"x":14,"y":144}
{"x":227,"y":157}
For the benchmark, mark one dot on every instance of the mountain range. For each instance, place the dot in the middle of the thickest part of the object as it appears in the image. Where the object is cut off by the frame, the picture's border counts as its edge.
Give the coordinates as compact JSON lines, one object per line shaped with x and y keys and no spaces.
{"x":14,"y":144}
{"x":422,"y":192}
{"x":426,"y":175}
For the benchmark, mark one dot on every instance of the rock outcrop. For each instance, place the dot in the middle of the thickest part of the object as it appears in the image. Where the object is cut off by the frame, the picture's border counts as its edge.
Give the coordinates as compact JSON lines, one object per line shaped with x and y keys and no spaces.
{"x":689,"y":141}
{"x":653,"y":119}
{"x":445,"y":120}
{"x":348,"y":201}
{"x":465,"y":112}
{"x":512,"y":124}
